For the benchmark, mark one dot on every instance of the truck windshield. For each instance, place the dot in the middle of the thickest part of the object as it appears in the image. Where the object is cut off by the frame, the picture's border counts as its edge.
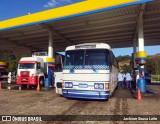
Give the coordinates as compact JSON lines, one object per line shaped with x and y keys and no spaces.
{"x":87,"y":57}
{"x":26,"y":66}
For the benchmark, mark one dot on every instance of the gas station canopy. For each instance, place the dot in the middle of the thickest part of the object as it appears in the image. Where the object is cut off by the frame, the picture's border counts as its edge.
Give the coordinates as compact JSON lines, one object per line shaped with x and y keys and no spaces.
{"x":114,"y":23}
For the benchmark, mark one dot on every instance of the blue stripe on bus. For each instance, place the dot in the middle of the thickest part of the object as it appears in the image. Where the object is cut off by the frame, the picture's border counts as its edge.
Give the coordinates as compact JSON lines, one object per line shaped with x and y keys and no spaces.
{"x":86,"y":94}
{"x":87,"y":85}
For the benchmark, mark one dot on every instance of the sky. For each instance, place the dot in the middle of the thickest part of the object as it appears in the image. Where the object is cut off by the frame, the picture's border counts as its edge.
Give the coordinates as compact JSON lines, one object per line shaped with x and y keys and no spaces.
{"x":150,"y":50}
{"x":14,"y":8}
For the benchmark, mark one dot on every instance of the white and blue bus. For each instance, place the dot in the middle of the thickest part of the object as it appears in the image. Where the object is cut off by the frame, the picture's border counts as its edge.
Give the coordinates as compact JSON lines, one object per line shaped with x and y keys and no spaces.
{"x":90,"y":71}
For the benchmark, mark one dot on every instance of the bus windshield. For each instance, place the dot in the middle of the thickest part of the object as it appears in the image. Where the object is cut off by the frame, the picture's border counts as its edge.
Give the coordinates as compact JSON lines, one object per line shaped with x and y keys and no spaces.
{"x":26,"y":66}
{"x":87,"y":57}
{"x":74,"y":57}
{"x":96,"y":57}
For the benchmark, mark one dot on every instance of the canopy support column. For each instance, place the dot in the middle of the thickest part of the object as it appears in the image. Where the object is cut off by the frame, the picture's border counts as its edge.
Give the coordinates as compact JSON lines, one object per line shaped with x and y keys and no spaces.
{"x":141,"y":56}
{"x":134,"y":65}
{"x":1,"y":56}
{"x":50,"y":45}
{"x":134,"y":53}
{"x":140,"y":35}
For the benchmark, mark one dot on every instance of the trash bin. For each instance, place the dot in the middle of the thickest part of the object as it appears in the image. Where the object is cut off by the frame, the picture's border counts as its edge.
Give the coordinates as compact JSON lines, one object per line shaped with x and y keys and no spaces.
{"x":46,"y":83}
{"x":142,"y":85}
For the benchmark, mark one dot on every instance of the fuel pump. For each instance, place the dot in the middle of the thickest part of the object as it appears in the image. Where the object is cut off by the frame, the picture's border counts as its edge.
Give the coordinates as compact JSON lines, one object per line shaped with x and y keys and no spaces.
{"x":50,"y":75}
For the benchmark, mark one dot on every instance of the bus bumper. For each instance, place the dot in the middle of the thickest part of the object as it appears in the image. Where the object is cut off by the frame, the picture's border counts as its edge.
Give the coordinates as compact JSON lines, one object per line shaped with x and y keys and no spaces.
{"x":86,"y":94}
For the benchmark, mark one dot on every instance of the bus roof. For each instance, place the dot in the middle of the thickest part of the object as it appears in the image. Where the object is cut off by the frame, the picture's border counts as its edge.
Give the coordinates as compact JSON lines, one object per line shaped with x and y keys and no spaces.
{"x":89,"y":46}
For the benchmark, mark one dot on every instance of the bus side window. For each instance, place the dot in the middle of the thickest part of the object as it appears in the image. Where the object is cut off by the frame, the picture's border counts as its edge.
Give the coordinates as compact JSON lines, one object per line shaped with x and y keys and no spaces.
{"x":58,"y":63}
{"x":111,"y":58}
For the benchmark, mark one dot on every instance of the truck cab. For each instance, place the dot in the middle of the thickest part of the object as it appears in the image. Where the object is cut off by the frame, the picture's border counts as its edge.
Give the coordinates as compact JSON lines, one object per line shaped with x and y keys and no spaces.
{"x":29,"y":70}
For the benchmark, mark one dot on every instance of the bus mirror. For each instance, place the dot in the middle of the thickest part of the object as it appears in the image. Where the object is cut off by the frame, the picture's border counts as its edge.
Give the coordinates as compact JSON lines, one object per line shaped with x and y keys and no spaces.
{"x":110,"y":67}
{"x":58,"y":59}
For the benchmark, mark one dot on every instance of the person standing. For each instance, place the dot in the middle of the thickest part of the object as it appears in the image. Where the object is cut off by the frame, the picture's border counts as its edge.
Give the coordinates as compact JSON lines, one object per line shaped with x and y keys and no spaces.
{"x":128,"y":80}
{"x":124,"y":80}
{"x":120,"y":80}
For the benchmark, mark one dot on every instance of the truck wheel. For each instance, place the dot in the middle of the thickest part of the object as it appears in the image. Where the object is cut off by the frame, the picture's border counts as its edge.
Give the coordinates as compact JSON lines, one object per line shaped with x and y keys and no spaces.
{"x":23,"y":86}
{"x":42,"y":82}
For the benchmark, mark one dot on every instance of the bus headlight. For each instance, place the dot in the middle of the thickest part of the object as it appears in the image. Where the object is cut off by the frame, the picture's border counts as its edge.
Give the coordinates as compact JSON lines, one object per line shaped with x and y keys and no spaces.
{"x":98,"y":86}
{"x":101,"y":86}
{"x":68,"y":85}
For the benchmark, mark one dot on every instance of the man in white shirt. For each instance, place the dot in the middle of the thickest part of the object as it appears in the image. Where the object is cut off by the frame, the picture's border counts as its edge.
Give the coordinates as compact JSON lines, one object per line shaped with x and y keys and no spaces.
{"x":124,"y":80}
{"x":128,"y":80}
{"x":120,"y":81}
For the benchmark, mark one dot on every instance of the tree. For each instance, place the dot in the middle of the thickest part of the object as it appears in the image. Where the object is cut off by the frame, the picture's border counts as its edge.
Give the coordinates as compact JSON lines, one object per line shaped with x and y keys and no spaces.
{"x":12,"y":61}
{"x":151,"y":66}
{"x":123,"y":58}
{"x":126,"y":68}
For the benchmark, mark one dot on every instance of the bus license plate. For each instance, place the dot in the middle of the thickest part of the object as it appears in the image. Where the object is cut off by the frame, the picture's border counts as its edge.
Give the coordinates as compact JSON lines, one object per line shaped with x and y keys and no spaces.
{"x":83,"y":85}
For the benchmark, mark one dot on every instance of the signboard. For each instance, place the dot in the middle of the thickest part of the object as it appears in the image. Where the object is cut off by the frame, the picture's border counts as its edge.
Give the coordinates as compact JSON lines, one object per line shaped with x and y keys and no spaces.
{"x":41,"y":53}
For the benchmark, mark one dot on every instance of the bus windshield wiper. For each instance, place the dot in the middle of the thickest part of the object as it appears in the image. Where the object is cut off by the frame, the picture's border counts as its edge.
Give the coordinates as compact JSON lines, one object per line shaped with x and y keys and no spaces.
{"x":73,"y":67}
{"x":93,"y":68}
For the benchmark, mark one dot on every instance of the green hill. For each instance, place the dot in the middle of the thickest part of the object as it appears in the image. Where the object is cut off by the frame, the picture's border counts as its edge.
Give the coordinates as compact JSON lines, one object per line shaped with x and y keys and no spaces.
{"x":152,"y":66}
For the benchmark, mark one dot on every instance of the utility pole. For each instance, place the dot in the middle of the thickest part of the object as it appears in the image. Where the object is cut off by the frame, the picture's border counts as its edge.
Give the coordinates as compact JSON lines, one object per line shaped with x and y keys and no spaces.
{"x":157,"y":71}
